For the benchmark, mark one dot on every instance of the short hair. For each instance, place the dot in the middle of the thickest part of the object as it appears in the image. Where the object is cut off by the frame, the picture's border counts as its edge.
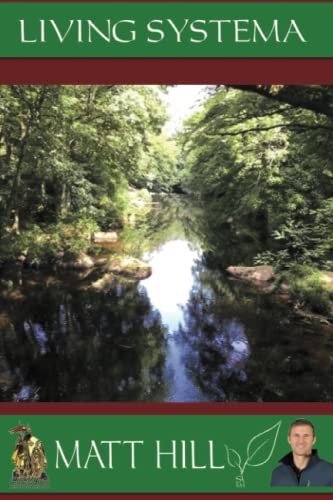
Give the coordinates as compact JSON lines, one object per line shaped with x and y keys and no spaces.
{"x":302,"y":421}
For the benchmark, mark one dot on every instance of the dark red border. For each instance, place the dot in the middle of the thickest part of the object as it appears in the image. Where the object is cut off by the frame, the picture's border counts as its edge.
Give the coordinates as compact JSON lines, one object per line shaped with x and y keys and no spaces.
{"x":167,"y":71}
{"x":297,"y":409}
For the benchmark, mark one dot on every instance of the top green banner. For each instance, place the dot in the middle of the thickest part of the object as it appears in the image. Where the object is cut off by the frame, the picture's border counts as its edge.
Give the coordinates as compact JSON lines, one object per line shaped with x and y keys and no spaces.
{"x":164,"y":29}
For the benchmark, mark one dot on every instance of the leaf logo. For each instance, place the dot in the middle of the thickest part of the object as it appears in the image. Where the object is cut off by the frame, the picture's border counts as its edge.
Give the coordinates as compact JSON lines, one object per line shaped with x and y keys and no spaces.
{"x":259,"y":451}
{"x":233,"y":457}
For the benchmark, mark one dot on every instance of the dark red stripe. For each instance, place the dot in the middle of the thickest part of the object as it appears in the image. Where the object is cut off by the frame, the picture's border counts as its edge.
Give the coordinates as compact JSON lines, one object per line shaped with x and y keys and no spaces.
{"x":167,"y":408}
{"x":168,"y":71}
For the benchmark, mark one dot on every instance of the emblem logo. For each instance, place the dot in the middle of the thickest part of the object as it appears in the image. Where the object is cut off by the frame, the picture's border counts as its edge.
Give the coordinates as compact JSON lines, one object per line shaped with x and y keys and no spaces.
{"x":29,"y":459}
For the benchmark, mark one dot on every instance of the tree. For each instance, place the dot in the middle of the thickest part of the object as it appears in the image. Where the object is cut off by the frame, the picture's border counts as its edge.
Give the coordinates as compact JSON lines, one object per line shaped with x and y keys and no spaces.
{"x":258,"y":162}
{"x":71,"y":153}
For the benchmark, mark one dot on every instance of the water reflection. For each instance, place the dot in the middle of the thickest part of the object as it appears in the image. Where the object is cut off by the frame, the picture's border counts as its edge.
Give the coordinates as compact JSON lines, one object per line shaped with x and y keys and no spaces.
{"x":171,"y":281}
{"x":75,"y":345}
{"x":169,"y":289}
{"x":246,"y":347}
{"x":188,"y":333}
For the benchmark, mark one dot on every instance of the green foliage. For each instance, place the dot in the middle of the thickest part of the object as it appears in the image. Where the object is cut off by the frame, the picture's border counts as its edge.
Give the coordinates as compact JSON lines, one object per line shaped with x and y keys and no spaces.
{"x":158,"y":169}
{"x":305,"y":237}
{"x":71,"y":153}
{"x":239,"y":169}
{"x":74,"y":237}
{"x":155,"y":224}
{"x":34,"y":244}
{"x":258,"y":162}
{"x":44,"y":246}
{"x":305,"y":286}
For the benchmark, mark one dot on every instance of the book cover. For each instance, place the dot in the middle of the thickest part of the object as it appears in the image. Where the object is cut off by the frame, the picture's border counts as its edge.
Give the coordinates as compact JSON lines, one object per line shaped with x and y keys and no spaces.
{"x":166,"y":249}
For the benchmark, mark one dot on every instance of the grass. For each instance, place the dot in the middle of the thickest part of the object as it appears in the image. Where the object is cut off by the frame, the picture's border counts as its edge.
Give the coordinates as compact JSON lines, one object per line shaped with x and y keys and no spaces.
{"x":307,"y":289}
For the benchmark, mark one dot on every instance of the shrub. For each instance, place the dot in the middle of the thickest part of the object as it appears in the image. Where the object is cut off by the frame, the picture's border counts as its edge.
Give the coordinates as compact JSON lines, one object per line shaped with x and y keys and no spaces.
{"x":307,"y":289}
{"x":42,"y":247}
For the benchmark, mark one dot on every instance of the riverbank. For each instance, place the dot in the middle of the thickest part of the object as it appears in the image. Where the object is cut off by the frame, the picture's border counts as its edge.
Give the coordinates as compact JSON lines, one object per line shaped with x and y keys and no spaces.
{"x":187,"y":332}
{"x":76,"y":245}
{"x":309,"y":291}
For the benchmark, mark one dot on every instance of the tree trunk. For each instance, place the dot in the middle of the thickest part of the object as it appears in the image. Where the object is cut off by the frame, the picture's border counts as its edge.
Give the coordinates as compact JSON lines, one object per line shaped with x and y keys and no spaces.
{"x":35,"y":108}
{"x":64,"y":201}
{"x":16,"y":223}
{"x":12,"y":201}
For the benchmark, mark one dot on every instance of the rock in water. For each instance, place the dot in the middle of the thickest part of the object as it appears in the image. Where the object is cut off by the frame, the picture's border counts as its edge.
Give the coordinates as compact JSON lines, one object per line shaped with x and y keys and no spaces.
{"x":253,"y":274}
{"x":105,"y":237}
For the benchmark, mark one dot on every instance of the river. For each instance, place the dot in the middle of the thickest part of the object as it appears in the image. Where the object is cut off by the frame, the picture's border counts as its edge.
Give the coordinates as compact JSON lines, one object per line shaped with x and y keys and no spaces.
{"x":187,"y":333}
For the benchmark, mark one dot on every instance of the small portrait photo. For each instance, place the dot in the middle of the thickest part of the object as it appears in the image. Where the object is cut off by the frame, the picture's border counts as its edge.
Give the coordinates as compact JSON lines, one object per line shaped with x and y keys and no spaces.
{"x":302,"y":466}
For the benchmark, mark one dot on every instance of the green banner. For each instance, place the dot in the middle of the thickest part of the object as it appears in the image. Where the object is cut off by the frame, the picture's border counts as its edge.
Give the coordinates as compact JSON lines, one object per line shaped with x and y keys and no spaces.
{"x":163,"y":29}
{"x":127,"y":453}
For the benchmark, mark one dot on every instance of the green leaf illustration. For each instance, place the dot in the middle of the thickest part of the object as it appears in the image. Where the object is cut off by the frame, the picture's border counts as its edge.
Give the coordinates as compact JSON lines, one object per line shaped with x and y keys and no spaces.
{"x":261,"y":446}
{"x":234,"y":460}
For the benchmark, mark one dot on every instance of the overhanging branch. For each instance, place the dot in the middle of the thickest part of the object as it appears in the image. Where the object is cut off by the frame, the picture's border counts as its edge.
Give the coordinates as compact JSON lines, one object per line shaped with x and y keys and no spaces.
{"x":302,"y":126}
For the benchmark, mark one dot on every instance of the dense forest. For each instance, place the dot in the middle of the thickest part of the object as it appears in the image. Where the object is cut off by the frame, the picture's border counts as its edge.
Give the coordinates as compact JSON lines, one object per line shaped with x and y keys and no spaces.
{"x":261,"y":157}
{"x":69,"y":157}
{"x":246,"y":182}
{"x":269,"y":164}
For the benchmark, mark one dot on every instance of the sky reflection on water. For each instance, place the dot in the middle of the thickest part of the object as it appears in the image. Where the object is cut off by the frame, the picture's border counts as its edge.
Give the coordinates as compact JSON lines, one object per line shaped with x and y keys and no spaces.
{"x":171,"y":281}
{"x":169,"y":289}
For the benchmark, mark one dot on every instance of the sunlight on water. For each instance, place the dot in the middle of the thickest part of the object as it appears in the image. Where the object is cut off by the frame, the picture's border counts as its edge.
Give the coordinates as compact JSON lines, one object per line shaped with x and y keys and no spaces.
{"x":169,"y":289}
{"x":171,"y":281}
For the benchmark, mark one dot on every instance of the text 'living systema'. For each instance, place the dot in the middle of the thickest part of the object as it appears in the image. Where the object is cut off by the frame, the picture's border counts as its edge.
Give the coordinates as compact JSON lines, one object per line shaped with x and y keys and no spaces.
{"x":161,"y":30}
{"x":114,"y":454}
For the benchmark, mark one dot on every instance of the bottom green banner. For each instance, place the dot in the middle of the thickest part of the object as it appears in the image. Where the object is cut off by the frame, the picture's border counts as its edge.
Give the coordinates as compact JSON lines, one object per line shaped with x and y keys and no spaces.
{"x":166,"y":453}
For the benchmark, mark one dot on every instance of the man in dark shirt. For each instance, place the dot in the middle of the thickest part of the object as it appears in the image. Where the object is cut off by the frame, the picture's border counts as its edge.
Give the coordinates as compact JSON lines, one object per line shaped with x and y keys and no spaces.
{"x":302,"y":466}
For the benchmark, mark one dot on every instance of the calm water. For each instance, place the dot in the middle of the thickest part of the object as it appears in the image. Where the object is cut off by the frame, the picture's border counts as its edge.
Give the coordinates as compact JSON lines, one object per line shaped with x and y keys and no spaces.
{"x":187,"y":333}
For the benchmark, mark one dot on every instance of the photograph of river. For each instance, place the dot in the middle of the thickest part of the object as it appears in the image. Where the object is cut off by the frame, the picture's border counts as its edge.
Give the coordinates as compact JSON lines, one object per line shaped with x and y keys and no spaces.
{"x":167,"y":244}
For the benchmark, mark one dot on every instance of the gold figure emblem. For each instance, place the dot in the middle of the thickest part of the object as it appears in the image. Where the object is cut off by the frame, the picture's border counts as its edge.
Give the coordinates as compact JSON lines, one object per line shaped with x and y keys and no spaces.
{"x":29,"y":455}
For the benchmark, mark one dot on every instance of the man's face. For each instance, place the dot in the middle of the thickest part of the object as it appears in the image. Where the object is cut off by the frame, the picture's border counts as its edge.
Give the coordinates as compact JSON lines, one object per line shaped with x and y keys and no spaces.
{"x":301,"y":440}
